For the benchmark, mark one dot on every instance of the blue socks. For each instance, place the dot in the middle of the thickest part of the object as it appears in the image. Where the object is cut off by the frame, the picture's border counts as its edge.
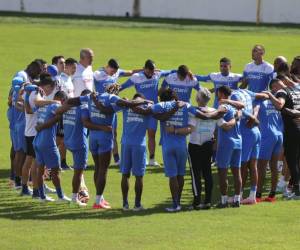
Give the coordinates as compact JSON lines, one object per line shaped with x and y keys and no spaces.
{"x":42,"y":192}
{"x":59,"y":192}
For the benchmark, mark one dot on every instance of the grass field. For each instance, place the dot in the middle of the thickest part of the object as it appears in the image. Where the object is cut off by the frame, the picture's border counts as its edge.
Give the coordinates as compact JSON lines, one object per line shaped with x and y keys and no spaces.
{"x":25,"y":224}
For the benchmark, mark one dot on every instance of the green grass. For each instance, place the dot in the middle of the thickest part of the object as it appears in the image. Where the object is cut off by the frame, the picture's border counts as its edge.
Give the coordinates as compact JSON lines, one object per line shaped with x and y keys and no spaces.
{"x":25,"y":224}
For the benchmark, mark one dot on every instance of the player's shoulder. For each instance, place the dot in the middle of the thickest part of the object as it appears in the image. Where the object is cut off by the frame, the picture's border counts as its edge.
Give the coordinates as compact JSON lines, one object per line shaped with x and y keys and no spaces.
{"x":235,"y":75}
{"x":249,"y":66}
{"x":138,"y":77}
{"x":268,"y":67}
{"x":172,"y":76}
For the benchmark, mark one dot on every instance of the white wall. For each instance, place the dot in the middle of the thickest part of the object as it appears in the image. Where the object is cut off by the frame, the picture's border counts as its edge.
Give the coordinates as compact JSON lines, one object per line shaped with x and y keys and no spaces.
{"x":272,"y":11}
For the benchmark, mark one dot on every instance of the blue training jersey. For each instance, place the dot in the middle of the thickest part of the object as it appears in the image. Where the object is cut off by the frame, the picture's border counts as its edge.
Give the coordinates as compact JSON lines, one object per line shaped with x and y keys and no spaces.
{"x":258,"y":77}
{"x":46,"y":138}
{"x":183,"y":88}
{"x":102,"y":79}
{"x":218,"y":79}
{"x":75,"y":134}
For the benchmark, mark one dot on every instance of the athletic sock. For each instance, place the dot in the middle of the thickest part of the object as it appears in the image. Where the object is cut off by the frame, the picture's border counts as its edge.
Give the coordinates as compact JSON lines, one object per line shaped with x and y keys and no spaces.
{"x":125,"y":202}
{"x":17,"y":180}
{"x":252,"y":194}
{"x":35,"y":192}
{"x":42,"y":192}
{"x":116,"y":157}
{"x":236,"y":198}
{"x":24,"y":188}
{"x":137,"y":202}
{"x":175,"y":203}
{"x":224,"y":199}
{"x":151,"y":157}
{"x":74,"y":196}
{"x":99,"y":198}
{"x":59,"y":192}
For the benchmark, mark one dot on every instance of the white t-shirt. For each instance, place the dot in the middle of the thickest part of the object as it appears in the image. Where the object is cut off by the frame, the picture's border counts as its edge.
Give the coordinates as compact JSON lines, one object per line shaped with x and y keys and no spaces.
{"x":83,"y":79}
{"x":67,"y":84}
{"x":204,"y":129}
{"x":31,"y":119}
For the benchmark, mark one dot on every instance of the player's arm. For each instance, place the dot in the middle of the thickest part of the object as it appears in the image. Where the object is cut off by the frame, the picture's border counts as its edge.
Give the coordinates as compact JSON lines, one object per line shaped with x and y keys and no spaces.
{"x":234,"y":103}
{"x":48,"y":124}
{"x":244,"y":83}
{"x":129,"y":83}
{"x":164,"y":116}
{"x":142,"y":110}
{"x":131,"y":103}
{"x":100,"y":106}
{"x":201,"y":78}
{"x":278,"y":102}
{"x":179,"y":131}
{"x":88,"y":124}
{"x":164,"y":86}
{"x":228,"y":125}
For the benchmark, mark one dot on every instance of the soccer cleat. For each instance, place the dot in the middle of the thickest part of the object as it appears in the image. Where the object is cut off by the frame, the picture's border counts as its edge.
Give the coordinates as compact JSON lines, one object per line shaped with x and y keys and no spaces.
{"x":205,"y":206}
{"x":35,"y":196}
{"x":173,"y":209}
{"x":26,"y":193}
{"x":281,"y":187}
{"x":47,"y":199}
{"x":293,"y":196}
{"x":78,"y":203}
{"x":269,"y":199}
{"x":126,"y":207}
{"x":105,"y":205}
{"x":117,"y":163}
{"x":17,"y":187}
{"x":49,"y":190}
{"x":248,"y":201}
{"x":137,"y":209}
{"x":97,"y":206}
{"x":105,"y":202}
{"x":235,"y":204}
{"x":64,"y":199}
{"x":222,"y":205}
{"x":153,"y":163}
{"x":64,"y":166}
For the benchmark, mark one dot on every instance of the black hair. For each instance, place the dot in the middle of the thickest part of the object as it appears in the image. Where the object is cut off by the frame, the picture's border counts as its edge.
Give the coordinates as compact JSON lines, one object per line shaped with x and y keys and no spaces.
{"x":168,"y":95}
{"x":149,"y":64}
{"x":55,"y":59}
{"x":70,"y":61}
{"x":260,"y":47}
{"x":283,"y":67}
{"x":273,"y":81}
{"x":183,"y":71}
{"x":137,"y":95}
{"x":46,"y":79}
{"x":225,"y":60}
{"x":225,"y":90}
{"x":113,"y":63}
{"x":85,"y":92}
{"x":61,"y":95}
{"x":40,"y":61}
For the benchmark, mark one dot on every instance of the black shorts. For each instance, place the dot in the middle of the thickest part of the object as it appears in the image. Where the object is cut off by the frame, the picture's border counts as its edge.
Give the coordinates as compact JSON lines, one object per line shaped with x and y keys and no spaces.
{"x":29,"y":146}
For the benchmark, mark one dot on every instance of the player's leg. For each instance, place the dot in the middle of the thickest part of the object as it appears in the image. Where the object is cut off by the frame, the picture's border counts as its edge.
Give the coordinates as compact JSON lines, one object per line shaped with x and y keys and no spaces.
{"x":125,"y":167}
{"x":261,"y":169}
{"x":12,"y":171}
{"x":181,"y":159}
{"x":205,"y":159}
{"x":235,"y":164}
{"x":152,"y":142}
{"x":115,"y":142}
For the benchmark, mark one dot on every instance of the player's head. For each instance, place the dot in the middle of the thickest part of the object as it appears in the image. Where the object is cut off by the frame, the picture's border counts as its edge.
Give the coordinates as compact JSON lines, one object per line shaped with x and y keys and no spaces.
{"x":283,"y":69}
{"x":71,"y":65}
{"x":112,"y":66}
{"x":34,"y":70}
{"x":113,"y":89}
{"x":42,"y":63}
{"x":277,"y":61}
{"x":59,"y":62}
{"x":60,"y":96}
{"x":223,"y":92}
{"x":138,"y":96}
{"x":149,"y":68}
{"x":258,"y":52}
{"x":295,"y":67}
{"x":86,"y":57}
{"x":46,"y":83}
{"x":276,"y":84}
{"x":225,"y":65}
{"x":86,"y":92}
{"x":168,"y":95}
{"x":203,"y":96}
{"x":182,"y":72}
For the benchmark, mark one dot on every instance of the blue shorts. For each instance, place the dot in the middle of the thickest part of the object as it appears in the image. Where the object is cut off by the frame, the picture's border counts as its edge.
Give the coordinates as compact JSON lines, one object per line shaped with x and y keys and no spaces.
{"x":270,"y":145}
{"x":19,"y":142}
{"x":80,"y":158}
{"x":228,"y":157}
{"x":133,"y":159}
{"x":175,"y":158}
{"x":48,"y":157}
{"x":98,"y":146}
{"x":152,"y":123}
{"x":250,"y":147}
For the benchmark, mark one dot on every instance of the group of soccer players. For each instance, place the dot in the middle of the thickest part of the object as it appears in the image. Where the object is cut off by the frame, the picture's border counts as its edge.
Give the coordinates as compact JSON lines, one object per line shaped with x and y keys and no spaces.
{"x":254,"y":125}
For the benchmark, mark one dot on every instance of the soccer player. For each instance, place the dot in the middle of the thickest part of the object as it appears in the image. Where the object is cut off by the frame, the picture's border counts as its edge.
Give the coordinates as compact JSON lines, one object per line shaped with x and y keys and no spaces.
{"x":66,"y":77}
{"x":133,"y":153}
{"x":287,"y":100}
{"x":222,"y":78}
{"x":59,"y":62}
{"x":257,"y":74}
{"x":83,"y":77}
{"x":174,"y":129}
{"x":182,"y":82}
{"x":229,"y":153}
{"x":200,"y":150}
{"x":271,"y":127}
{"x":103,"y":77}
{"x":101,"y":136}
{"x":46,"y":151}
{"x":146,"y":82}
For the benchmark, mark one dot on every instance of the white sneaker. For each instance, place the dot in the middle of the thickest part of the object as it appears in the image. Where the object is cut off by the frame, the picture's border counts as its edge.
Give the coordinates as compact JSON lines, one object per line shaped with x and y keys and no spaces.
{"x":47,"y":199}
{"x":153,"y":163}
{"x":78,"y":203}
{"x":137,"y":209}
{"x":281,"y":187}
{"x":287,"y":193}
{"x":126,"y":207}
{"x":117,"y":163}
{"x":64,"y":199}
{"x":279,"y":166}
{"x":49,"y":190}
{"x":293,"y":196}
{"x":173,"y":210}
